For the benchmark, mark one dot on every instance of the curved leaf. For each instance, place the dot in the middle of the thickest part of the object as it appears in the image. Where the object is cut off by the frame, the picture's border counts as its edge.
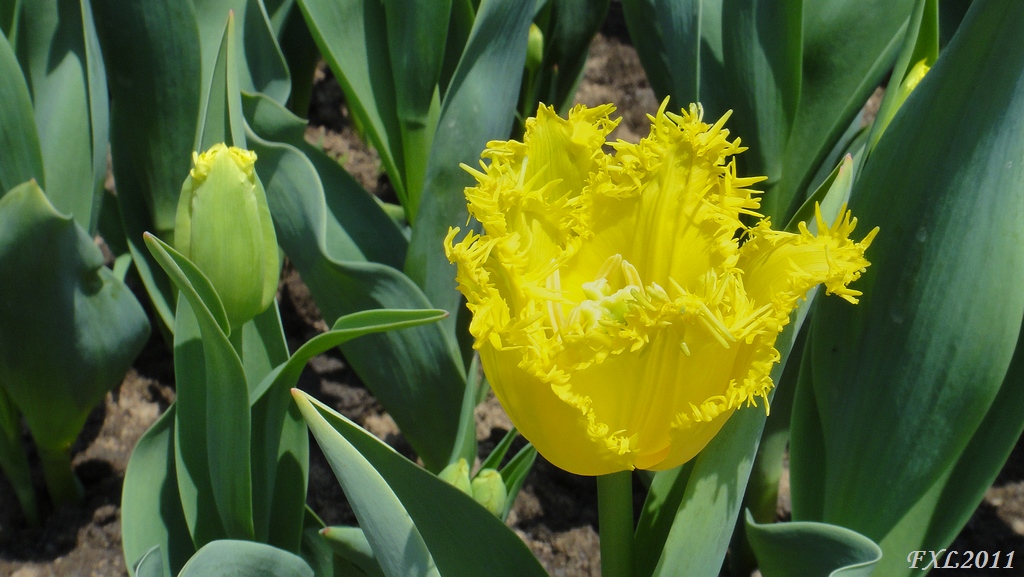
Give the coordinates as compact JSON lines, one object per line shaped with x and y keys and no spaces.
{"x":352,"y":37}
{"x":58,"y":49}
{"x":463,"y":538}
{"x":419,"y":379}
{"x":23,"y":159}
{"x":212,"y":432}
{"x":478,"y":107}
{"x":803,"y":549}
{"x":153,"y":65}
{"x":227,"y":558}
{"x":924,"y":354}
{"x":69,"y":329}
{"x":151,"y":514}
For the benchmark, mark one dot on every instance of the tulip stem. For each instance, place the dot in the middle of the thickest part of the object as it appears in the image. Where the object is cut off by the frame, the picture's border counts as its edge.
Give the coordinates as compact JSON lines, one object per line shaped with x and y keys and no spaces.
{"x":615,"y":523}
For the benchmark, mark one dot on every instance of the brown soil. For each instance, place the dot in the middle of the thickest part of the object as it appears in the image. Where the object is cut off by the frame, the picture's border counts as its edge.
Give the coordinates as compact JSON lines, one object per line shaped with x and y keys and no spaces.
{"x":556,"y":512}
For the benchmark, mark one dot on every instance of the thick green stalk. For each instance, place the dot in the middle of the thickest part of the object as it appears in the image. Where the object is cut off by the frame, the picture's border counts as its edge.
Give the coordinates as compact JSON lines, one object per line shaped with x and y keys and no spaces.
{"x":615,"y":523}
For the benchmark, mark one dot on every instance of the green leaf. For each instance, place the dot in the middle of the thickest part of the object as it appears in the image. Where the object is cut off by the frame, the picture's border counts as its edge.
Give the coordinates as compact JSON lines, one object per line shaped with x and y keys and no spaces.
{"x":923,"y":356}
{"x":13,"y":462}
{"x":416,"y":34}
{"x":345,"y":329}
{"x":351,"y":544}
{"x":221,"y":120}
{"x":153,"y":65}
{"x":212,"y":444}
{"x":279,"y":442}
{"x":227,"y":558}
{"x":463,"y":538}
{"x":478,"y":107}
{"x":921,"y":44}
{"x":261,"y":65}
{"x":390,"y":530}
{"x":800,"y":549}
{"x":69,"y":329}
{"x":848,"y":46}
{"x":23,"y":159}
{"x":667,"y":36}
{"x":830,"y":197}
{"x":762,"y":45}
{"x":356,"y":227}
{"x":151,"y":564}
{"x":566,"y":44}
{"x":151,"y":514}
{"x":59,"y":52}
{"x":352,"y":37}
{"x":415,"y":373}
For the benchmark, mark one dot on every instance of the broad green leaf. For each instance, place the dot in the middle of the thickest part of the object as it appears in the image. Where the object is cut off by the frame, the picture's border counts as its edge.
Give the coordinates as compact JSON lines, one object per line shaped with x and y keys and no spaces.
{"x":59,"y":53}
{"x":664,"y":496}
{"x":478,"y":107}
{"x":940,"y":513}
{"x":13,"y":462}
{"x":212,"y":432}
{"x":802,"y":549}
{"x":920,"y":45}
{"x":980,"y":463}
{"x":280,"y":444}
{"x":228,"y":558}
{"x":830,"y":196}
{"x":390,"y":530}
{"x":463,"y":538}
{"x":356,"y":228}
{"x":352,"y":37}
{"x":261,"y":65}
{"x":300,"y":53}
{"x":346,"y":328}
{"x":221,"y":120}
{"x":319,"y":553}
{"x":848,"y":46}
{"x":416,"y":34}
{"x":667,"y":36}
{"x":762,"y":43}
{"x":415,"y":373}
{"x":151,"y":514}
{"x":924,"y":354}
{"x":69,"y":329}
{"x":151,"y":564}
{"x":568,"y":30}
{"x":22,"y":159}
{"x":351,"y":544}
{"x":9,"y":10}
{"x":153,"y":66}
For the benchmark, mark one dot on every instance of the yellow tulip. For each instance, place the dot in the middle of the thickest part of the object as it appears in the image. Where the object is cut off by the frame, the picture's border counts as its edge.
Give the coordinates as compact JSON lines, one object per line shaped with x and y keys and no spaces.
{"x":621,"y":309}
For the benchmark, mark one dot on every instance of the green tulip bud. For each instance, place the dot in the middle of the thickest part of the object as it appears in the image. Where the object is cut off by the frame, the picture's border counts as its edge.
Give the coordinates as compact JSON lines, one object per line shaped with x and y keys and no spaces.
{"x":489,"y":490}
{"x":534,"y":48}
{"x":457,"y":475}
{"x":223,"y":226}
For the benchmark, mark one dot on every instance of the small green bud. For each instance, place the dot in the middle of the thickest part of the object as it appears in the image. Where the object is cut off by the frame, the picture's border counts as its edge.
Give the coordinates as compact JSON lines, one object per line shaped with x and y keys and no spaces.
{"x":534,"y":48}
{"x":223,"y":226}
{"x":457,"y":475}
{"x":489,"y":490}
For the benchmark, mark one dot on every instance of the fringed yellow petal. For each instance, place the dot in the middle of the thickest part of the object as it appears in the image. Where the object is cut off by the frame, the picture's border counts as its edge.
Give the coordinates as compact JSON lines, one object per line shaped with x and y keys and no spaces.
{"x":617,"y":315}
